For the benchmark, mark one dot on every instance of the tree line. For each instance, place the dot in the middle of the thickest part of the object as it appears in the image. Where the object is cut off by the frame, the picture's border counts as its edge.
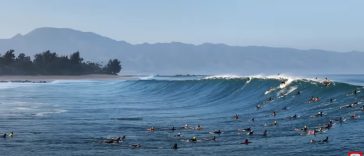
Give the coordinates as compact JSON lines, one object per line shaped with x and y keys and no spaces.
{"x":50,"y":63}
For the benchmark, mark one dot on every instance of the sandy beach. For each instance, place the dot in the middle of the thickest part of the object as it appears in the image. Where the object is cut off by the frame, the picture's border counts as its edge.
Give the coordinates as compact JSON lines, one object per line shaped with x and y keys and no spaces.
{"x":37,"y":78}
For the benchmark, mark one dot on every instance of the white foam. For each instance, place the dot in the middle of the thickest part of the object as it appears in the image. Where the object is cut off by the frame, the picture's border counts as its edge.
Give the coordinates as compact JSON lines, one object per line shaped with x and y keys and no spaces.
{"x":269,"y":91}
{"x":284,"y":77}
{"x":227,"y":76}
{"x":149,"y":77}
{"x":291,"y":89}
{"x":285,"y":92}
{"x":19,"y":108}
{"x":71,"y":81}
{"x":288,"y":78}
{"x":249,"y":80}
{"x":10,"y":85}
{"x":55,"y":111}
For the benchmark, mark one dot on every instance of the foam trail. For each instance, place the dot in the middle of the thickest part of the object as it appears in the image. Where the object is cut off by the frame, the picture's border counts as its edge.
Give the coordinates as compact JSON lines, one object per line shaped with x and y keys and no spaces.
{"x":9,"y":85}
{"x":149,"y":77}
{"x":225,"y":77}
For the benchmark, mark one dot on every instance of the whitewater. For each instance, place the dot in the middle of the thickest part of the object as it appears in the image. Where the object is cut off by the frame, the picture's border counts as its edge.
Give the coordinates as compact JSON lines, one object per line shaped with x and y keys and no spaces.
{"x":66,"y":117}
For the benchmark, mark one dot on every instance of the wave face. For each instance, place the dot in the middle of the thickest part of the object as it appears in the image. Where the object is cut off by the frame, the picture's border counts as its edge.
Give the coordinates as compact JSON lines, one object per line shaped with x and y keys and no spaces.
{"x":57,"y":117}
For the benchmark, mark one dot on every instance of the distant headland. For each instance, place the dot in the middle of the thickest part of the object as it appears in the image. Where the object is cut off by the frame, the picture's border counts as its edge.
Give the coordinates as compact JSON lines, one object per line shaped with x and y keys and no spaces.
{"x":50,"y":63}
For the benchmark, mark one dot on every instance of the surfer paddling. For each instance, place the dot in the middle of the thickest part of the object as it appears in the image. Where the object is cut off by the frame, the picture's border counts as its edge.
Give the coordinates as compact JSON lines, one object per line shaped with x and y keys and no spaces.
{"x":236,"y":117}
{"x":326,"y":140}
{"x":246,"y":142}
{"x":113,"y":140}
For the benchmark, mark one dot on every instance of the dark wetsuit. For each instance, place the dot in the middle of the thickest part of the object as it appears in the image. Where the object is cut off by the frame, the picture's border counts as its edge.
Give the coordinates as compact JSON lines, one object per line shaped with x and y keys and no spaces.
{"x":326,"y":139}
{"x":246,"y":142}
{"x":174,"y":146}
{"x":265,"y":133}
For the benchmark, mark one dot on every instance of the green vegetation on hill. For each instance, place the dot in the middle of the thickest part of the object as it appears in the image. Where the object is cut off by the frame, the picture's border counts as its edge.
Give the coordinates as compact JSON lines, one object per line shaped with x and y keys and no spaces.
{"x":49,"y":63}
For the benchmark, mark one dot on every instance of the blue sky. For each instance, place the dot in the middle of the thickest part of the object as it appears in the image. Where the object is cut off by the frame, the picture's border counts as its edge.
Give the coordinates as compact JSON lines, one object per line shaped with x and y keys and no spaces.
{"x":307,"y":24}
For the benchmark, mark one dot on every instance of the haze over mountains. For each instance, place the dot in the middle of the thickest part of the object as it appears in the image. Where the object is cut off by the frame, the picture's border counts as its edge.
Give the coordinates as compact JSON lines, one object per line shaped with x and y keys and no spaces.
{"x":181,"y":58}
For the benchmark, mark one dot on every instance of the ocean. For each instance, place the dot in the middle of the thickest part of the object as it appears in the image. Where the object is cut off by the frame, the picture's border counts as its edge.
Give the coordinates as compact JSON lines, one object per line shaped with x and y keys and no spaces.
{"x":67,"y":117}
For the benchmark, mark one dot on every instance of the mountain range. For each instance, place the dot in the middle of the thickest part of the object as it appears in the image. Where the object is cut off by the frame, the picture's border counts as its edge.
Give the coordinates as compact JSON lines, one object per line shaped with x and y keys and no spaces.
{"x":182,"y":58}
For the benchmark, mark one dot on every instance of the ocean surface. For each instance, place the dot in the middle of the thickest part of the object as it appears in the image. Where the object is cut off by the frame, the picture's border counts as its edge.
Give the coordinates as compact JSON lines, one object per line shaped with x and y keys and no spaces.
{"x":77,"y":117}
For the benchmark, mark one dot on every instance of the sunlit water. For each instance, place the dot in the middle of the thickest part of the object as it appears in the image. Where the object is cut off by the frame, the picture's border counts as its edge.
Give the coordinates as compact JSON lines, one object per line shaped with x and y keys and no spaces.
{"x":76,"y":117}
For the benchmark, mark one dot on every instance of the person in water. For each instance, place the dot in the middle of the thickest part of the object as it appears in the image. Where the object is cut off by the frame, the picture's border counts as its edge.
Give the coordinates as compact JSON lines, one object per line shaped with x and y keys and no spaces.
{"x":113,"y":140}
{"x":198,"y":127}
{"x":319,"y":114}
{"x":246,"y":142}
{"x":274,"y":113}
{"x":247,"y":129}
{"x":258,"y":107}
{"x":354,"y":116}
{"x":320,"y":129}
{"x":152,"y":129}
{"x":11,"y":134}
{"x":314,"y":99}
{"x":311,"y":132}
{"x":236,"y":117}
{"x":250,"y":133}
{"x":298,"y":93}
{"x":355,"y":92}
{"x":135,"y":145}
{"x":4,"y":136}
{"x":275,"y":123}
{"x":350,"y":105}
{"x":173,"y":128}
{"x":341,"y":120}
{"x":175,"y":146}
{"x":193,"y":139}
{"x":329,"y":125}
{"x":186,"y":126}
{"x":217,"y":132}
{"x":305,"y":128}
{"x":213,"y":138}
{"x":252,"y":120}
{"x":265,"y":133}
{"x":178,"y":135}
{"x":326,"y":140}
{"x":294,"y":116}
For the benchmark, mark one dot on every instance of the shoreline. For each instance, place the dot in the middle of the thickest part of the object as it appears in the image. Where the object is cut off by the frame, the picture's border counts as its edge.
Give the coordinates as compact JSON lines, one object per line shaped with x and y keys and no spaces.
{"x":47,"y":78}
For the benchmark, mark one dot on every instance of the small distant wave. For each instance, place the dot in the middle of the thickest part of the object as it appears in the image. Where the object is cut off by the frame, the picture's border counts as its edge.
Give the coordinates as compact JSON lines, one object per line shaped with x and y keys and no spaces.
{"x":225,"y":77}
{"x":71,"y":81}
{"x":9,"y":85}
{"x":129,"y":118}
{"x":149,"y":77}
{"x":55,"y":111}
